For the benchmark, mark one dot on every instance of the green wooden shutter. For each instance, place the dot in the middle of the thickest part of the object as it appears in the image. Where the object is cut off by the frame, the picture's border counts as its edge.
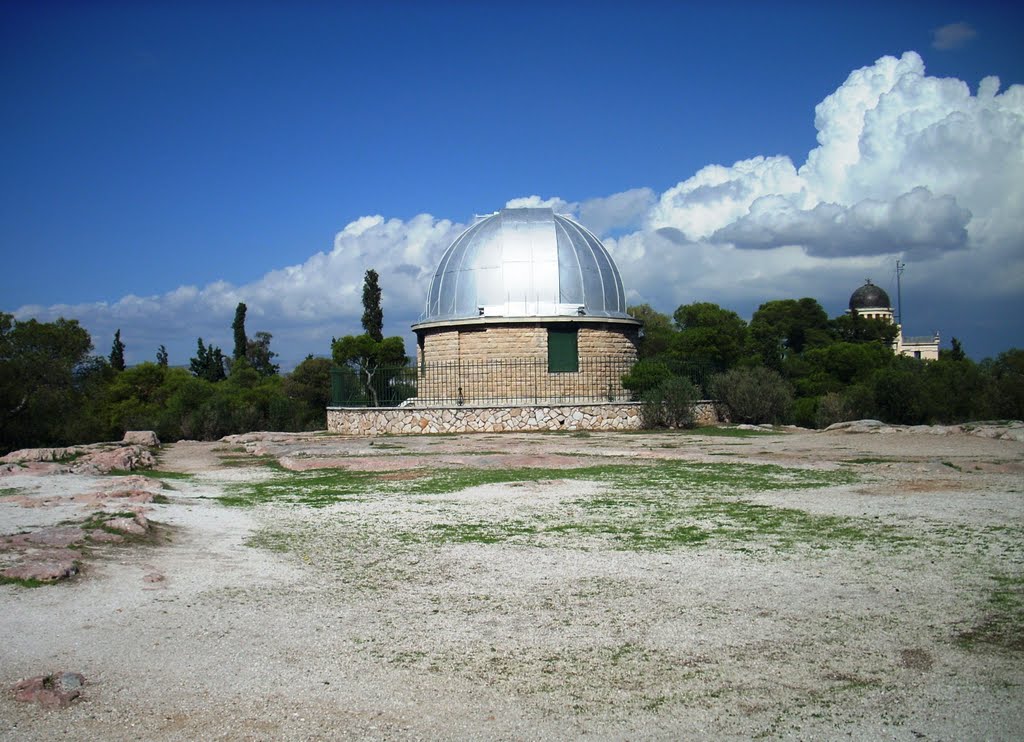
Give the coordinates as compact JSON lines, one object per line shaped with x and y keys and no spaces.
{"x":563,"y":352}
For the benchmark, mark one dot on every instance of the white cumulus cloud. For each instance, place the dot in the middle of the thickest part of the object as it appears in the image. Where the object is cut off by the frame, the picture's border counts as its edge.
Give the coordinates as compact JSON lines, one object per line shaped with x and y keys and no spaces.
{"x":907,"y":167}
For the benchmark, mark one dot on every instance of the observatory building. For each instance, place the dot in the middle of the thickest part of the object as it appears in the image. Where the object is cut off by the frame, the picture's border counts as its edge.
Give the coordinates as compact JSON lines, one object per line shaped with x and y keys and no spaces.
{"x":525,"y":306}
{"x":872,"y":302}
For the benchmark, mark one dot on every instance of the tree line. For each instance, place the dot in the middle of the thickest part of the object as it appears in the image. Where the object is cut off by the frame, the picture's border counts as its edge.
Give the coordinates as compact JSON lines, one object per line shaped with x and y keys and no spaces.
{"x":790,"y":363}
{"x":793,"y":364}
{"x":55,"y":391}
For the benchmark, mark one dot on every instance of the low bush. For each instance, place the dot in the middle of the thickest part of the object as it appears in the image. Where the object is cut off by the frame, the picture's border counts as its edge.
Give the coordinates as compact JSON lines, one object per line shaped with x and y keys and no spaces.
{"x":753,"y":395}
{"x":834,"y":408}
{"x":669,"y":405}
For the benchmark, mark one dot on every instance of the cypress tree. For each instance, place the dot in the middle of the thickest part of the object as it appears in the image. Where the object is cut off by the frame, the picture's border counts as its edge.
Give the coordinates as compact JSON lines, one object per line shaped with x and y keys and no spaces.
{"x":373,"y":315}
{"x":117,"y":352}
{"x":208,"y":362}
{"x":161,"y":356}
{"x":241,"y":341}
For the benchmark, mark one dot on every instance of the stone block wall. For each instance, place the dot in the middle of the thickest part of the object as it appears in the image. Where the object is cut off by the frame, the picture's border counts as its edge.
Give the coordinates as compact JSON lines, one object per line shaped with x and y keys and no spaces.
{"x":407,"y":420}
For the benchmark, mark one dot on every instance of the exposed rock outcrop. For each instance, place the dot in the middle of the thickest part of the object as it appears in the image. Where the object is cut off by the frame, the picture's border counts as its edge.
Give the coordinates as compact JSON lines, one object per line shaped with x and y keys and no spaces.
{"x":53,"y":691}
{"x":1005,"y":430}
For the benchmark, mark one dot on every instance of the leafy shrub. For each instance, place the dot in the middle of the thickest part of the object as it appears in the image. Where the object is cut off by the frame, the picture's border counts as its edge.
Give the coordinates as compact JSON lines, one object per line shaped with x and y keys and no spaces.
{"x":753,"y":395}
{"x":804,"y":412}
{"x":900,"y":395}
{"x":646,"y":376}
{"x":834,"y":408}
{"x":669,"y":405}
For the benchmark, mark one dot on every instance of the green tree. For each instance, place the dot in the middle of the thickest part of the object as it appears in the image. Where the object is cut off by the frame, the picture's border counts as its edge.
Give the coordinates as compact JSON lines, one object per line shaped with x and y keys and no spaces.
{"x":238,"y":328}
{"x":658,"y":333}
{"x":40,"y":396}
{"x":161,"y":356}
{"x":957,"y":351}
{"x":308,"y":387}
{"x":367,"y":357}
{"x":373,"y":315}
{"x":646,"y":375}
{"x":855,"y":328}
{"x":208,"y":362}
{"x":1006,"y":373}
{"x":836,"y":366}
{"x":710,"y":333}
{"x":782,"y":328}
{"x":117,"y":352}
{"x":900,"y":393}
{"x":260,"y":356}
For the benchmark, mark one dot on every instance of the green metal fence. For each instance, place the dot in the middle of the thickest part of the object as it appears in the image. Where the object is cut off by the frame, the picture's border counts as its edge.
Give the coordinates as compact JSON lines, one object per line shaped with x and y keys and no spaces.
{"x":510,"y":381}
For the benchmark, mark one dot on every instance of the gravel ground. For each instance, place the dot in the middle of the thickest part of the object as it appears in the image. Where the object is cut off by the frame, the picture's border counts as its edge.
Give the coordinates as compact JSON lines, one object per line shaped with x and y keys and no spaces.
{"x":511,"y":610}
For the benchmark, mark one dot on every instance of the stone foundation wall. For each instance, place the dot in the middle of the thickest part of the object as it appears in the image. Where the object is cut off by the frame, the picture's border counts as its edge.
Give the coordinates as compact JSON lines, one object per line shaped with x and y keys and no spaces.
{"x":370,"y":421}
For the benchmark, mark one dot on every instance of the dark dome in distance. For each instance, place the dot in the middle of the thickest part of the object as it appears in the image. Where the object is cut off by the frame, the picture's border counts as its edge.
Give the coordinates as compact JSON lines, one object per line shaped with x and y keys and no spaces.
{"x":869,"y":296}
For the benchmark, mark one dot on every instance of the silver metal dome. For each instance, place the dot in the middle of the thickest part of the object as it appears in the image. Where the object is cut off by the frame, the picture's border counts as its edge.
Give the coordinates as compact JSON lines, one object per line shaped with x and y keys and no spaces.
{"x":525,"y":263}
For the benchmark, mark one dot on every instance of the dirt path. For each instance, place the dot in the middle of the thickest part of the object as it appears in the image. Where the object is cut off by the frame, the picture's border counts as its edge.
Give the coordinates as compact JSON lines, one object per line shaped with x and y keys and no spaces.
{"x":192,"y":457}
{"x":869,"y":586}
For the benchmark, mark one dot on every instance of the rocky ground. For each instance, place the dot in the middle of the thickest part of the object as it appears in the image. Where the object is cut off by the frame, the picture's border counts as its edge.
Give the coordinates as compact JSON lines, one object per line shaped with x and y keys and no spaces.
{"x":864,"y":582}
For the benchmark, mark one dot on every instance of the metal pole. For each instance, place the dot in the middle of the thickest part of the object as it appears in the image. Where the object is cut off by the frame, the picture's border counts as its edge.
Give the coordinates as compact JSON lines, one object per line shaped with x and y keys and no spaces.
{"x":899,"y":293}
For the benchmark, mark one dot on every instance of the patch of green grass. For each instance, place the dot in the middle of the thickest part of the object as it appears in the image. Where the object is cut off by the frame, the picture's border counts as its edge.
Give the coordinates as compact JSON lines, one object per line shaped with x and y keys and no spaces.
{"x":1002,"y":623}
{"x":154,"y":473}
{"x":663,"y":523}
{"x":480,"y":533}
{"x":951,"y":465}
{"x":870,"y":460}
{"x":25,"y":583}
{"x":654,"y":506}
{"x":244,"y":461}
{"x":323,"y":487}
{"x":670,"y":505}
{"x":8,"y":491}
{"x":727,"y":432}
{"x":316,"y":488}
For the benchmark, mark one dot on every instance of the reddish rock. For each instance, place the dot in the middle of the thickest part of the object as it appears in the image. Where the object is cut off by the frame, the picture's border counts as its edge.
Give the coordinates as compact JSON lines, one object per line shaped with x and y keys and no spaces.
{"x":56,"y":538}
{"x":105,"y":537}
{"x":137,"y":526}
{"x":44,"y":570}
{"x":52,"y":691}
{"x":141,"y":437}
{"x":98,"y":498}
{"x":34,"y":468}
{"x":25,"y":455}
{"x":31,"y":502}
{"x":138,"y":482}
{"x":126,"y":458}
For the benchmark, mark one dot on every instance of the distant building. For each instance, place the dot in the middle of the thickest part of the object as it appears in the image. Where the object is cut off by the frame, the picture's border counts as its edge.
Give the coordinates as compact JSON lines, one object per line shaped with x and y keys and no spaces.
{"x":872,"y":302}
{"x":525,"y":304}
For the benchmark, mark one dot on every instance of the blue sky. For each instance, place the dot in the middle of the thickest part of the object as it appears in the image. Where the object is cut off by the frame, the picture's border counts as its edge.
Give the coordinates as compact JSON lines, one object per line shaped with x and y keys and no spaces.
{"x":163,"y":161}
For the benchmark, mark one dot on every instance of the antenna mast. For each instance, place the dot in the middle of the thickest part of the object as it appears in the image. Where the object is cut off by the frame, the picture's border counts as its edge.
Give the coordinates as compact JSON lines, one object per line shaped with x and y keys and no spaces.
{"x":899,"y":293}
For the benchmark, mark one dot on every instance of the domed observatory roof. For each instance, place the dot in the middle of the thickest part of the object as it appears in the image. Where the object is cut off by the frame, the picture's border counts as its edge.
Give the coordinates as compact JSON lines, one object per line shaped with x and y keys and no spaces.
{"x":869,"y":296}
{"x":525,"y":263}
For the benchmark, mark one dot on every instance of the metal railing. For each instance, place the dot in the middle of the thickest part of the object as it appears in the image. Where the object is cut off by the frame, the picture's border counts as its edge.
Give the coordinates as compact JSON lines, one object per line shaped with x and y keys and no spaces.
{"x":507,"y":381}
